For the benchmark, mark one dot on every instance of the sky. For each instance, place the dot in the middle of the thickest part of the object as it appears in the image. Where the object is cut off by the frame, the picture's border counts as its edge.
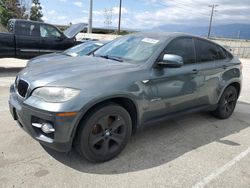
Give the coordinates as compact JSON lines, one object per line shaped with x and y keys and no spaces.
{"x":146,"y":14}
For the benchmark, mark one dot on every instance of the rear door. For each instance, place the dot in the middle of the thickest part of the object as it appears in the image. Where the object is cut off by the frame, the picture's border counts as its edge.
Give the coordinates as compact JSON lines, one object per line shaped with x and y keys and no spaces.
{"x":211,"y":63}
{"x":52,"y":40}
{"x":27,"y":39}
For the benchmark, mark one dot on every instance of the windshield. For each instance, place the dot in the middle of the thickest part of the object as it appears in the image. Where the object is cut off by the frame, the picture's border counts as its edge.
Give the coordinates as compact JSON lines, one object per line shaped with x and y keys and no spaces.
{"x":83,"y":49}
{"x":130,"y":48}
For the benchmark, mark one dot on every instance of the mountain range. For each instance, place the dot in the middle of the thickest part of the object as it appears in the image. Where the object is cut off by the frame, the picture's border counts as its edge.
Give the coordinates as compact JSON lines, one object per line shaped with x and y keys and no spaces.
{"x":234,"y":31}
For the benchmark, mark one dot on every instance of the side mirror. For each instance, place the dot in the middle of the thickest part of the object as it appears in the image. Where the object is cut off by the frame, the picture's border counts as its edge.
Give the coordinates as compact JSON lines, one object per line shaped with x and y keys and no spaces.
{"x":60,"y":38}
{"x":171,"y":60}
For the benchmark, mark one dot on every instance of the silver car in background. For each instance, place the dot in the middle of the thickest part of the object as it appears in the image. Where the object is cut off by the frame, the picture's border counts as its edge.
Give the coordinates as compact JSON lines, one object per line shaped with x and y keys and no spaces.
{"x":83,"y":49}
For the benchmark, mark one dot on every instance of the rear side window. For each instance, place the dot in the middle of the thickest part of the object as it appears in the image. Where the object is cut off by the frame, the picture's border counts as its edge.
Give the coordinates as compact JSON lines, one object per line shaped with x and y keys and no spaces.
{"x":183,"y":47}
{"x":205,"y":51}
{"x":27,"y":29}
{"x":222,"y":54}
{"x":10,"y":26}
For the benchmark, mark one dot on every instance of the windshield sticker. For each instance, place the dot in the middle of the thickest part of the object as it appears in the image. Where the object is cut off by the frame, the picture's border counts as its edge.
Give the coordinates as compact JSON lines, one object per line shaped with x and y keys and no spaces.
{"x":149,"y":40}
{"x":99,"y":44}
{"x":73,"y":54}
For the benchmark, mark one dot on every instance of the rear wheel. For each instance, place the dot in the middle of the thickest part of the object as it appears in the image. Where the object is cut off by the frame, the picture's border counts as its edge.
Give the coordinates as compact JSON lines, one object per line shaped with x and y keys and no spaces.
{"x":227,"y":103}
{"x":104,"y":133}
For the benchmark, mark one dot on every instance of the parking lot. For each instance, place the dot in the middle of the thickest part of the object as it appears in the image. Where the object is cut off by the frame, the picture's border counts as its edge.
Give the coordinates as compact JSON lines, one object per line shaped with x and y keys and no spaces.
{"x":192,"y":151}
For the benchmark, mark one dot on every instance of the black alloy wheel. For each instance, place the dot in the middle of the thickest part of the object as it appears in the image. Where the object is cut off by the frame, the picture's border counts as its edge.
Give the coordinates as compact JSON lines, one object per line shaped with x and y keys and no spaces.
{"x":227,"y":103}
{"x":105,"y":133}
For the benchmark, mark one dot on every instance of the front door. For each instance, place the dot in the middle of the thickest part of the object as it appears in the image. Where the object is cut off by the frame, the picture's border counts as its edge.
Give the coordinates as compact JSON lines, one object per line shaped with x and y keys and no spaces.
{"x":52,"y":40}
{"x":175,"y":89}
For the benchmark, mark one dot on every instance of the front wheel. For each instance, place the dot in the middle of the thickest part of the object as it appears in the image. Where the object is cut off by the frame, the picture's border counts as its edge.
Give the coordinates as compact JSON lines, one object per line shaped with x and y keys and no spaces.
{"x":104,"y":133}
{"x":227,"y":103}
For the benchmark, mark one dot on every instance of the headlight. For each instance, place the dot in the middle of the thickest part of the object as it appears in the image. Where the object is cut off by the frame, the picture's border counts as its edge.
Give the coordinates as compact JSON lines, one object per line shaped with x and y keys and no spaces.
{"x":55,"y":94}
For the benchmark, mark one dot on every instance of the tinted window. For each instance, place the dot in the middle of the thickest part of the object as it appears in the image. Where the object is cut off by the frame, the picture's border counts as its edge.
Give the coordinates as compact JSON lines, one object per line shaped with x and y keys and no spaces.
{"x":229,"y":55}
{"x":221,"y":53}
{"x":205,"y":51}
{"x":27,"y":29}
{"x":183,"y":47}
{"x":49,"y":31}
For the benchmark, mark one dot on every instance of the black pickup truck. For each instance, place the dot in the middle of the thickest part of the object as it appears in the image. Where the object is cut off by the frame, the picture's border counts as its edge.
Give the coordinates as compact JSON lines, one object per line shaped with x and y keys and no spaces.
{"x":27,"y":39}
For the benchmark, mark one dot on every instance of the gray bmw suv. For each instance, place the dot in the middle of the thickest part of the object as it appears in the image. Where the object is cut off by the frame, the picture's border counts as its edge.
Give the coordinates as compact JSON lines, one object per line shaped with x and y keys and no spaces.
{"x":95,"y":103}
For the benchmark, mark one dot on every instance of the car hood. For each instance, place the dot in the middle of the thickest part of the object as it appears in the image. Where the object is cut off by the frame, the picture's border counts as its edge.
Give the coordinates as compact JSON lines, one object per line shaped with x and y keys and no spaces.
{"x":71,"y":72}
{"x":46,"y":58}
{"x":73,"y":30}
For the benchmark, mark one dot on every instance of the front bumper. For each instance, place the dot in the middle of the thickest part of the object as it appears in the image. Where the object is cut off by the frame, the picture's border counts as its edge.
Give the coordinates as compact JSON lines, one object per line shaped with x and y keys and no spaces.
{"x":60,"y":140}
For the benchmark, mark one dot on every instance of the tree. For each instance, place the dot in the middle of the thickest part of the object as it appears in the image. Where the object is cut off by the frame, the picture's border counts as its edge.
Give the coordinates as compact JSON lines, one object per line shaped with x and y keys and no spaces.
{"x":36,"y":11}
{"x":11,"y":9}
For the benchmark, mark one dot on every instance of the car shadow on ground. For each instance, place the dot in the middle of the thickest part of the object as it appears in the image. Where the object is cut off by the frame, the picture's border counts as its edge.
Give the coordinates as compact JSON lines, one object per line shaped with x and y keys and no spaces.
{"x":165,"y":142}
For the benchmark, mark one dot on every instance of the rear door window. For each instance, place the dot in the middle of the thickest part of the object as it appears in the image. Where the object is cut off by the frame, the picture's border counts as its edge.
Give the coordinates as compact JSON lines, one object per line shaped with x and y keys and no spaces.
{"x":27,"y":29}
{"x":183,"y":47}
{"x":205,"y":51}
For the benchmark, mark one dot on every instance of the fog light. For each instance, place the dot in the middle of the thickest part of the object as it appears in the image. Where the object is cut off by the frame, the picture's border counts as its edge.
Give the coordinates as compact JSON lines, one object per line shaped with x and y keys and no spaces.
{"x":47,"y":128}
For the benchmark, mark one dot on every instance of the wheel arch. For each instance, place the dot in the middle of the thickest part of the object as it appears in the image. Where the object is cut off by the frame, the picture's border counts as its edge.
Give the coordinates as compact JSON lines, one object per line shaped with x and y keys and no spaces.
{"x":236,"y":84}
{"x":125,"y":101}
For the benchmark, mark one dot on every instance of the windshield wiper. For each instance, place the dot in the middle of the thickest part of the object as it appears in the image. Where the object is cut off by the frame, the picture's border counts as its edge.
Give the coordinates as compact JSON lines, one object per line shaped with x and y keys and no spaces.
{"x":109,"y":57}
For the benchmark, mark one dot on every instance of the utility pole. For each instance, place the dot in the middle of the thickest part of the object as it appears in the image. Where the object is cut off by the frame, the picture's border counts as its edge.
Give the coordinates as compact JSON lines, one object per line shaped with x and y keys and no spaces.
{"x":238,"y":35}
{"x":90,"y":16}
{"x":120,"y":16}
{"x":211,"y":19}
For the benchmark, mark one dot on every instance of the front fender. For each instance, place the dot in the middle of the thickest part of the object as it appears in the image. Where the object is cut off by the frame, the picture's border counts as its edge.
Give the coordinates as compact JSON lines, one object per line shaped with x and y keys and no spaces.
{"x":98,"y":100}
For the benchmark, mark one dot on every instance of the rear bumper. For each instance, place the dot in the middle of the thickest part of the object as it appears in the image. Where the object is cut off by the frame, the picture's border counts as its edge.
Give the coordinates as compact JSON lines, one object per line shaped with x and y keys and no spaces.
{"x":60,"y":140}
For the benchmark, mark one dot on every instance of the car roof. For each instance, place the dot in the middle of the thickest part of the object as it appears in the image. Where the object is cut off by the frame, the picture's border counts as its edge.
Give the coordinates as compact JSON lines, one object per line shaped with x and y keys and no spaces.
{"x":31,"y":21}
{"x":166,"y":34}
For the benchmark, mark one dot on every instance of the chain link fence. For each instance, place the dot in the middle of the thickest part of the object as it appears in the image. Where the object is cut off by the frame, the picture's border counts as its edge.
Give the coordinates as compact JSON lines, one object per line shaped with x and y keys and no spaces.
{"x":240,"y":48}
{"x":242,"y":52}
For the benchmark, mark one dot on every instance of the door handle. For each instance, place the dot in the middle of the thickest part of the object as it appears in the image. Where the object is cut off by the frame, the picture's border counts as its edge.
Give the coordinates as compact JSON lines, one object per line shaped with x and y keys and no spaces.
{"x":195,"y":71}
{"x":224,"y":66}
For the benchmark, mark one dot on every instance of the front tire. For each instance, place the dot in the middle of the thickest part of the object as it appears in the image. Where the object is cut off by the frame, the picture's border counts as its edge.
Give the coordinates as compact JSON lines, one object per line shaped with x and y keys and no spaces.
{"x":104,"y":133}
{"x":227,"y":103}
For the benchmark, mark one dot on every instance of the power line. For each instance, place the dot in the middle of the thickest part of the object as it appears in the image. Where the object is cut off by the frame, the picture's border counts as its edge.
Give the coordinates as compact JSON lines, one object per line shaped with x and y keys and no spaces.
{"x":189,"y":5}
{"x":185,"y":4}
{"x":186,"y":8}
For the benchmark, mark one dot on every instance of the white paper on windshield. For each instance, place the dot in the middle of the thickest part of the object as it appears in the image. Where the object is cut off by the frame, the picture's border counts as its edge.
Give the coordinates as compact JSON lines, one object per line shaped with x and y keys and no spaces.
{"x":149,"y":40}
{"x":74,"y":54}
{"x":99,"y":44}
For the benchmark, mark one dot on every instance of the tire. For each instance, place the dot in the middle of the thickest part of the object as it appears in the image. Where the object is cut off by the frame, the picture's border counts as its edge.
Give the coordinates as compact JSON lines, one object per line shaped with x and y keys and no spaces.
{"x":104,"y":133}
{"x":226,"y":104}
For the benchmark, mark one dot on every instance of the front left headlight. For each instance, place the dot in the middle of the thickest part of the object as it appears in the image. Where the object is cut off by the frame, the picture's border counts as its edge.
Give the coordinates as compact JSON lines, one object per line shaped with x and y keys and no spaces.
{"x":55,"y":94}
